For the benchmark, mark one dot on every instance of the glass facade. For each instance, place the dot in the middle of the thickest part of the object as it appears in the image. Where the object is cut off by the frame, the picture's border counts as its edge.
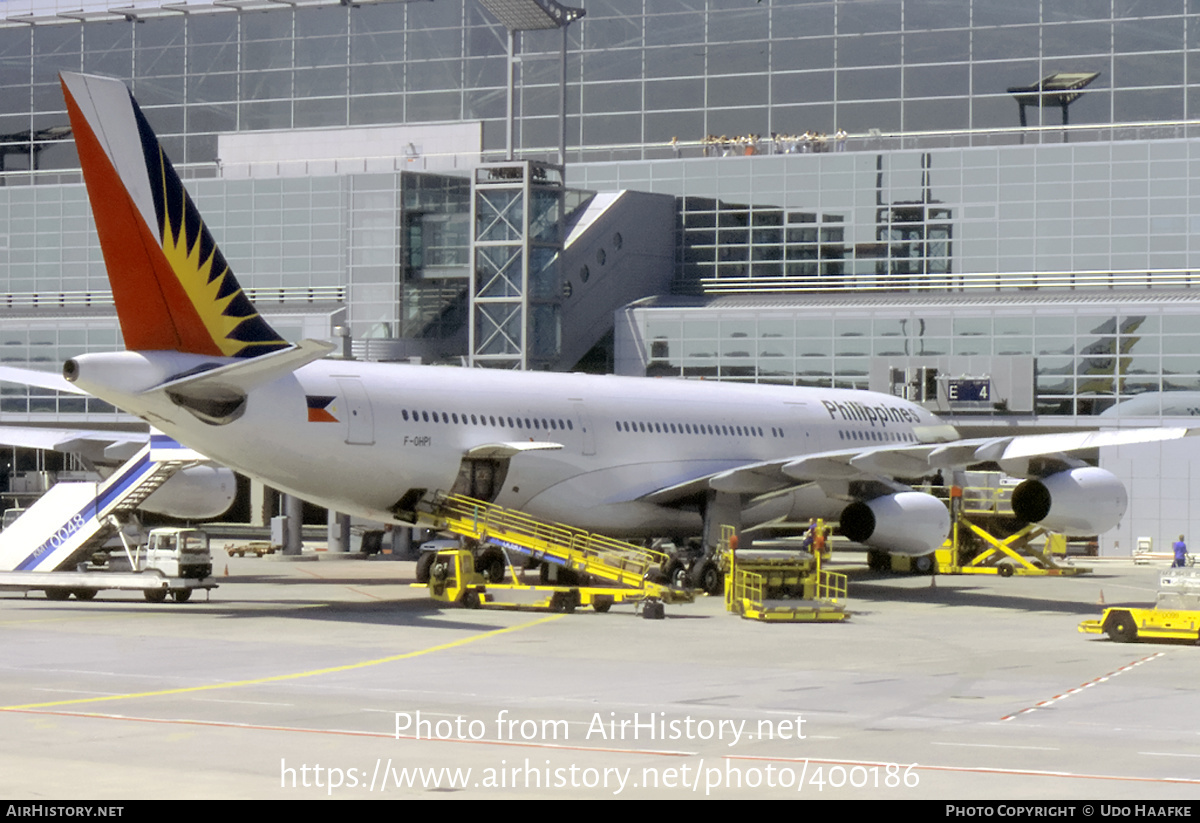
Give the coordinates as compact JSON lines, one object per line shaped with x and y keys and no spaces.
{"x":641,"y":73}
{"x":302,"y":238}
{"x":1087,"y":352}
{"x":1088,"y":215}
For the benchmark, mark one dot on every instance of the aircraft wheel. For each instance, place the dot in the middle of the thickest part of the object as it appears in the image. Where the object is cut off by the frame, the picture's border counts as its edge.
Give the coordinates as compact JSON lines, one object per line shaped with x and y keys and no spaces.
{"x":563,"y":602}
{"x":424,"y":563}
{"x":676,"y":574}
{"x":155,"y":595}
{"x":1121,"y":628}
{"x":923,"y":564}
{"x":58,"y":594}
{"x":878,"y":561}
{"x":491,"y":565}
{"x":708,"y":578}
{"x":84,"y":594}
{"x":182,"y":595}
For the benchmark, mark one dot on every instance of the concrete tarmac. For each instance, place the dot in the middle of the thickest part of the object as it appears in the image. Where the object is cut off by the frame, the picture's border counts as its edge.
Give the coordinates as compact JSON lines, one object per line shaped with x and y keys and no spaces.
{"x":337,"y":679}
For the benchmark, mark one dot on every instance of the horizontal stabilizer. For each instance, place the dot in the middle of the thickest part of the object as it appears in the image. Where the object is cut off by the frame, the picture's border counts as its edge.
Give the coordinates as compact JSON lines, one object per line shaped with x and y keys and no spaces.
{"x":244,"y":375}
{"x":42,"y":379}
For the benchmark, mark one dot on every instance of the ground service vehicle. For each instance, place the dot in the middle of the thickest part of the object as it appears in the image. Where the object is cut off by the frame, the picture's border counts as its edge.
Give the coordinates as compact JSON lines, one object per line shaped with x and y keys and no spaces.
{"x":1175,"y":616}
{"x":174,"y":562}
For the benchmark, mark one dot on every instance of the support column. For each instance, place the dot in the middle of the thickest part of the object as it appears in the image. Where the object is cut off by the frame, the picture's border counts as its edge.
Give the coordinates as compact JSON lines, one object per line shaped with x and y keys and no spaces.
{"x":338,"y":531}
{"x":260,"y":504}
{"x":293,"y":507}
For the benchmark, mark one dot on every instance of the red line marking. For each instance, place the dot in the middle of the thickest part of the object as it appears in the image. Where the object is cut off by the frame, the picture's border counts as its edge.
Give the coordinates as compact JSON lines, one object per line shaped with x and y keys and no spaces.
{"x":1083,"y":686}
{"x":222,"y":724}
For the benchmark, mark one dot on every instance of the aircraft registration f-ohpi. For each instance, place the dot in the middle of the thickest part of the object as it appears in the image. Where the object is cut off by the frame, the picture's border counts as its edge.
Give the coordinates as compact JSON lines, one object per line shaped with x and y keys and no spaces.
{"x":621,"y":456}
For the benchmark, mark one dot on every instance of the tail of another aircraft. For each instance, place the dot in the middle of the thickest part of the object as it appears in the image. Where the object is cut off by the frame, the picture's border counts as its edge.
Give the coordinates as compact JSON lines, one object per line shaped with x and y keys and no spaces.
{"x":171,"y":284}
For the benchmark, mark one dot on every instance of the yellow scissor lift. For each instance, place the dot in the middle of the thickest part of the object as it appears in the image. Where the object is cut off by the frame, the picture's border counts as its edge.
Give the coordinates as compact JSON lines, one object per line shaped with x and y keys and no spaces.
{"x":1008,"y":556}
{"x":627,"y":567}
{"x":787,"y":587}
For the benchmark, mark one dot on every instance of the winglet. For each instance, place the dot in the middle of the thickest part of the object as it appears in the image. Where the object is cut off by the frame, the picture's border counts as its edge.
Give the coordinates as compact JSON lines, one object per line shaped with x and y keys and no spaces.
{"x":171,"y":284}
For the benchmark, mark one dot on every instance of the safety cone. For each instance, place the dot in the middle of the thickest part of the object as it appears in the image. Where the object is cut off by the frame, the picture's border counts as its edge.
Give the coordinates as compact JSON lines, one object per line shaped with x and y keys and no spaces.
{"x":227,"y":570}
{"x":933,"y":581}
{"x":1101,"y":602}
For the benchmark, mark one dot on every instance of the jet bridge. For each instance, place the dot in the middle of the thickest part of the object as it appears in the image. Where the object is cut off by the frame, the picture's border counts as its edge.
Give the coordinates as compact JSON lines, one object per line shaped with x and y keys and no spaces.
{"x":73,"y":519}
{"x":630,"y":569}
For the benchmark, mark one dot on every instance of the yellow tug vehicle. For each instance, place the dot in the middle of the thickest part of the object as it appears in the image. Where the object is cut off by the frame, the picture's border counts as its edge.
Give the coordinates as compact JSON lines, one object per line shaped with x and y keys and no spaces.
{"x":1175,"y":616}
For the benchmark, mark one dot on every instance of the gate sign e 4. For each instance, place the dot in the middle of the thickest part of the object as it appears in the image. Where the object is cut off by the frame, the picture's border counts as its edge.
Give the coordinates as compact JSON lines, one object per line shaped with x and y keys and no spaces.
{"x":969,"y":390}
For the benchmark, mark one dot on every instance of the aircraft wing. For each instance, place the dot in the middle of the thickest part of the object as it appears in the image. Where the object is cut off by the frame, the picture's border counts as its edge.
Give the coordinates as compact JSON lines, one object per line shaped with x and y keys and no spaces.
{"x":97,"y":446}
{"x":1020,"y":455}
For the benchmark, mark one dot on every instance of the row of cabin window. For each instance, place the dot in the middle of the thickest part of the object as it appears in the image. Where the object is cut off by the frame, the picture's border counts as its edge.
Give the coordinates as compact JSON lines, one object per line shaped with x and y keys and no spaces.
{"x":550,"y":424}
{"x":696,"y":428}
{"x":855,"y":434}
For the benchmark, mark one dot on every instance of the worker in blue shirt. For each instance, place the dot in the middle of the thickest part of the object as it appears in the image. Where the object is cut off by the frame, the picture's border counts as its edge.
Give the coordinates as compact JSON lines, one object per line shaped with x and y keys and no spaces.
{"x":1180,"y":554}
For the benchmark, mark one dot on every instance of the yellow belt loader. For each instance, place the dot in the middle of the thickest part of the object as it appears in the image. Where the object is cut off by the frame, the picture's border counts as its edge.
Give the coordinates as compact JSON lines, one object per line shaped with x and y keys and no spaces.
{"x":626,"y":569}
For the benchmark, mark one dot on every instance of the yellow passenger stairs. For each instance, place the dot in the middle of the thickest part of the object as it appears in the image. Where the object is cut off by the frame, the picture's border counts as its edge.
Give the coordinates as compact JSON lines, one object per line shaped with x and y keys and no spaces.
{"x":629,"y":568}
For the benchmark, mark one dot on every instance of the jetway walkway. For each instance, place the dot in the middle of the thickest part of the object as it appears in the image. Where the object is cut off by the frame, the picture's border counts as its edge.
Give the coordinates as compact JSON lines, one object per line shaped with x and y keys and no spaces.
{"x":73,"y":519}
{"x":622,"y":564}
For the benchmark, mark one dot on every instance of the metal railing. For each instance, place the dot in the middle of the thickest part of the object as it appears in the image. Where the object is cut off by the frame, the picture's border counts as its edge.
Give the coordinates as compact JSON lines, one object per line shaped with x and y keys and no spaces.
{"x":755,"y":588}
{"x":735,"y":147}
{"x":615,"y":560}
{"x":104,"y":299}
{"x":964,"y":282}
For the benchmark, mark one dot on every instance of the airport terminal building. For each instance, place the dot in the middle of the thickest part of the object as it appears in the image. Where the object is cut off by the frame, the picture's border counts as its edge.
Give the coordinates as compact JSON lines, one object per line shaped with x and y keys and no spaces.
{"x":984,"y":205}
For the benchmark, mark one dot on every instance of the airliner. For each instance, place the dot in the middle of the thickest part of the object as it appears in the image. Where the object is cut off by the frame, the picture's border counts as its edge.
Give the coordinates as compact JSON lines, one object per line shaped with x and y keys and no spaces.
{"x":628,"y":457}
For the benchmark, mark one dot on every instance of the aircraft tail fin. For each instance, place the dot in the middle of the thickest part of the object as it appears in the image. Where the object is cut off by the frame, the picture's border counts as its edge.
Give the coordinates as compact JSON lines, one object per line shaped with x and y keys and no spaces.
{"x":171,"y":284}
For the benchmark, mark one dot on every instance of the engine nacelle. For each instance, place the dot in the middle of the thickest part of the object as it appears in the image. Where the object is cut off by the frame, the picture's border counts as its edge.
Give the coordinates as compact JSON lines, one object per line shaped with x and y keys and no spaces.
{"x":1082,"y":501}
{"x":195,"y":493}
{"x":910,"y":523}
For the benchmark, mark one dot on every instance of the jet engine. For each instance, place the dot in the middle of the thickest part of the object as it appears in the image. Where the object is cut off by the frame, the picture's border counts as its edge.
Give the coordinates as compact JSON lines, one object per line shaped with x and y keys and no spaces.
{"x":1085,"y":500}
{"x":910,"y":523}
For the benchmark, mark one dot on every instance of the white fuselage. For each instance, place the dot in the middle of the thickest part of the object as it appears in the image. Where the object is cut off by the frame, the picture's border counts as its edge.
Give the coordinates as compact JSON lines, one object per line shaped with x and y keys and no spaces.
{"x":357,"y":437}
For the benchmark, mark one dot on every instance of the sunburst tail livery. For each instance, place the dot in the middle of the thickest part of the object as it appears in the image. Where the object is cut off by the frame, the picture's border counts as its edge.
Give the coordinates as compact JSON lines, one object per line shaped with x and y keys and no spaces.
{"x":172,"y":286}
{"x":620,"y":455}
